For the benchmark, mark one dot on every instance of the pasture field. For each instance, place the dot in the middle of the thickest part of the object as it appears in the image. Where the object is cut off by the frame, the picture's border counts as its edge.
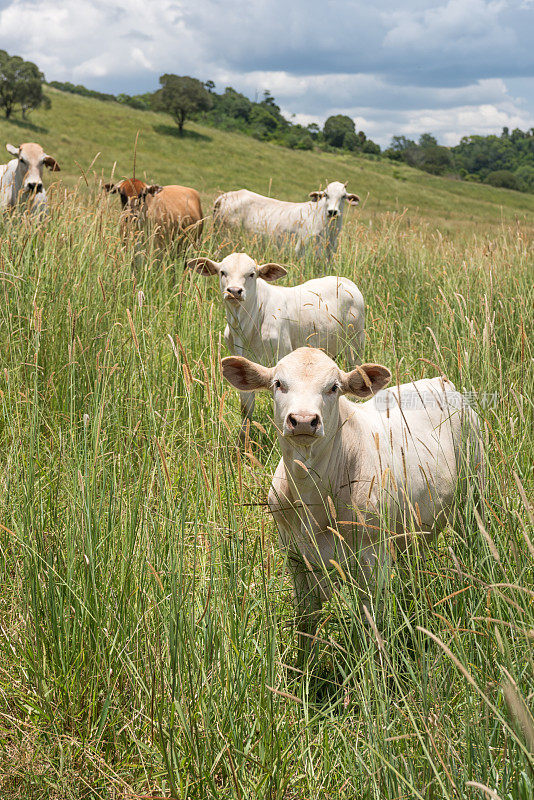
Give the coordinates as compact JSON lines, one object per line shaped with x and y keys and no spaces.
{"x":146,"y":640}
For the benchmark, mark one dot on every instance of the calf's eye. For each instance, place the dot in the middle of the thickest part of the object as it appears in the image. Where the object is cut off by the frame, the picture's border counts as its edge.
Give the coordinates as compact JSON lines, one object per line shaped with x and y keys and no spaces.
{"x":333,"y":388}
{"x":223,"y":274}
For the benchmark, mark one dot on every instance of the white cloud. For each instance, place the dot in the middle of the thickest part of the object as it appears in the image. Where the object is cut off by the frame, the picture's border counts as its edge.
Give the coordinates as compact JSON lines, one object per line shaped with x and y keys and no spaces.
{"x":83,"y":39}
{"x":434,"y":65}
{"x":454,"y":22}
{"x":454,"y":123}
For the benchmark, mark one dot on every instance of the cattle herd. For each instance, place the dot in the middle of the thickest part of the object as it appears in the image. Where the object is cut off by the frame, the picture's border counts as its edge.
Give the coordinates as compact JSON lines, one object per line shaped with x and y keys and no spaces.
{"x":358,"y":483}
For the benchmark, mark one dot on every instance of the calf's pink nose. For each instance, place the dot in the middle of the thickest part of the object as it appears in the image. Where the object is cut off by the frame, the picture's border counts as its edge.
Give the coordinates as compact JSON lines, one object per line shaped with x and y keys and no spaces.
{"x":303,"y":423}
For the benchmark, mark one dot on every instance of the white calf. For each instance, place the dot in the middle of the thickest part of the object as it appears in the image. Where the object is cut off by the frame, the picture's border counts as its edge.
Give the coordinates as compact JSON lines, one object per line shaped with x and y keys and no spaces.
{"x":267,"y":322}
{"x":356,"y":480}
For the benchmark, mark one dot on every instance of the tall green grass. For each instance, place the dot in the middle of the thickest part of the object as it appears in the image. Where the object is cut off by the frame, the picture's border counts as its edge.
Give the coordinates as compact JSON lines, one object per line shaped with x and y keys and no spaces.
{"x":146,"y":637}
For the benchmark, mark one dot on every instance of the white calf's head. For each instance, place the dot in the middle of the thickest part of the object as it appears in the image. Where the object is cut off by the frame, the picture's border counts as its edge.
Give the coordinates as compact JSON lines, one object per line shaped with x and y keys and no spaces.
{"x":306,"y":386}
{"x":238,"y":275}
{"x":32,"y":158}
{"x":335,"y":195}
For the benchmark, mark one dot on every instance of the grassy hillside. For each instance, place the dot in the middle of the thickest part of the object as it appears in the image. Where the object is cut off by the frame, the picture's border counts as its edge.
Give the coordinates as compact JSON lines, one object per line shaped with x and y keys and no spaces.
{"x":76,"y":129}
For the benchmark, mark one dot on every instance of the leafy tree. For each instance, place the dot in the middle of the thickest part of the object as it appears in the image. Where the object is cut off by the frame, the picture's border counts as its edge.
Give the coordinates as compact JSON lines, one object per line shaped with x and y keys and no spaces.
{"x":299,"y":138}
{"x":400,"y":144}
{"x":268,"y":100}
{"x":336,"y":128}
{"x":371,"y":147}
{"x":427,"y":155}
{"x":21,"y":83}
{"x":525,"y":175}
{"x":351,"y":141}
{"x":436,"y":159}
{"x":142,"y":102}
{"x":427,"y":140}
{"x":182,"y":97}
{"x":400,"y":149}
{"x":262,"y":121}
{"x":504,"y":179}
{"x":32,"y":95}
{"x":234,"y":104}
{"x":480,"y":155}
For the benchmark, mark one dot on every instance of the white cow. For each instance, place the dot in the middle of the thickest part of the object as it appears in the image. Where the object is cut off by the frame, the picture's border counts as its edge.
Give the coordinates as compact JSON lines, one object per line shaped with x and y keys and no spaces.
{"x":267,"y":322}
{"x":317,"y":222}
{"x":21,"y":179}
{"x":358,"y":480}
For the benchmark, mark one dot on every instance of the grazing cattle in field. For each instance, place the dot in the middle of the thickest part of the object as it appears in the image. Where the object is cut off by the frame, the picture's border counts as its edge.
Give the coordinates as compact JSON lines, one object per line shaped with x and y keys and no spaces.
{"x":171,"y":212}
{"x":21,"y":179}
{"x":317,"y":222}
{"x":267,"y":322}
{"x":357,"y":480}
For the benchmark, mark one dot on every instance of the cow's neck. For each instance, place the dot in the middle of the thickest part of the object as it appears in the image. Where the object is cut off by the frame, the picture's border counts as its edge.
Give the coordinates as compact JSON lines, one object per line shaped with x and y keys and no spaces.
{"x":323,"y":468}
{"x":333,"y":226}
{"x":312,"y":472}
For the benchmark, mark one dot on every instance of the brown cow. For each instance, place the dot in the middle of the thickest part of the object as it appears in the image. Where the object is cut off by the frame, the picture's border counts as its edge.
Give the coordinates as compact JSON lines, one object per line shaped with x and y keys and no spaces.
{"x":169,"y":211}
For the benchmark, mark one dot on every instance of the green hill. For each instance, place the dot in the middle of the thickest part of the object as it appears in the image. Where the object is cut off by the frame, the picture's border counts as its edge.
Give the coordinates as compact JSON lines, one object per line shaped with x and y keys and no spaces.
{"x":96,"y":136}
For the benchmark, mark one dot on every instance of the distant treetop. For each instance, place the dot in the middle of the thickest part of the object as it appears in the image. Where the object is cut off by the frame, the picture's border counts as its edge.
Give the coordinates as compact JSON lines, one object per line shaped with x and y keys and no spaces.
{"x":21,"y":85}
{"x":182,"y":97}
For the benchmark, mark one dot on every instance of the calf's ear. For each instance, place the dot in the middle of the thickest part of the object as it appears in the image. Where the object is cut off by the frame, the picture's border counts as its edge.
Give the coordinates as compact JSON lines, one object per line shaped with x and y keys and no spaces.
{"x":110,"y":187}
{"x":51,"y":163}
{"x":365,"y":381}
{"x":245,"y":375}
{"x":315,"y":196}
{"x":12,"y":149}
{"x":153,"y":189}
{"x":353,"y":199}
{"x":205,"y":266}
{"x":271,"y":272}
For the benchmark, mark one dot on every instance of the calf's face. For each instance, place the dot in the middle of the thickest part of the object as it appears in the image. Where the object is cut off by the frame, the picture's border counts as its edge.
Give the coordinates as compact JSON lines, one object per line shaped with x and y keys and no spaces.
{"x":238,"y":274}
{"x":306,"y":387}
{"x":31,"y":160}
{"x":335,"y":195}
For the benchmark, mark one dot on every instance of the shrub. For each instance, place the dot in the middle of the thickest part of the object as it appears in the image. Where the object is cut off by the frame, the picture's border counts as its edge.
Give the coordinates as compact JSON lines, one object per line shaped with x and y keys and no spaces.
{"x":504,"y":179}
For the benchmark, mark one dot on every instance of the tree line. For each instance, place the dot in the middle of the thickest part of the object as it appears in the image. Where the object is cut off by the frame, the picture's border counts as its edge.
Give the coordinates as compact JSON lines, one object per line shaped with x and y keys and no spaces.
{"x":505,"y":160}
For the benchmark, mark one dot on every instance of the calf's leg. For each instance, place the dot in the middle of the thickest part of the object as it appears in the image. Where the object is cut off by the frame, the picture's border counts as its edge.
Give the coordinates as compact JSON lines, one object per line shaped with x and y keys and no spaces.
{"x":308,"y":604}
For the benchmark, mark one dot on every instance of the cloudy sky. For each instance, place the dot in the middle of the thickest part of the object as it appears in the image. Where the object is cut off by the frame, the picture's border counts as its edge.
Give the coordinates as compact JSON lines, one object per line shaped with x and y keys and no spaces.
{"x":451,"y":67}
